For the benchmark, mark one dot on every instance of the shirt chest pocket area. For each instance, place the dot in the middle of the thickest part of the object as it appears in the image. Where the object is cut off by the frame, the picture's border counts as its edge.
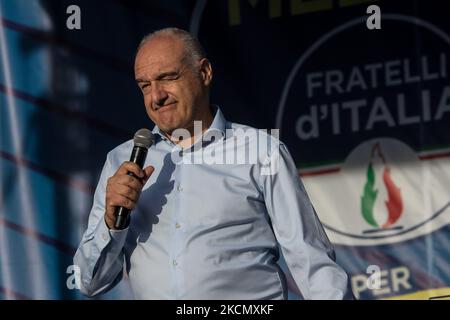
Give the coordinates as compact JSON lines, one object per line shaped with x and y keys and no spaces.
{"x":230,"y":201}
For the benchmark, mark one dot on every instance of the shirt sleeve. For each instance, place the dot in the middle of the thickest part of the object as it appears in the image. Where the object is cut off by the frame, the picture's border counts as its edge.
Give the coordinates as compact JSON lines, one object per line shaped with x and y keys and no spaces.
{"x":99,"y":256}
{"x":306,"y":248}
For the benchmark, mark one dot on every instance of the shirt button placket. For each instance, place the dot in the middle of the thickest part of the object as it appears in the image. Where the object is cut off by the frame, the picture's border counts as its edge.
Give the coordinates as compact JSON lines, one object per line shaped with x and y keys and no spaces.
{"x":178,"y":234}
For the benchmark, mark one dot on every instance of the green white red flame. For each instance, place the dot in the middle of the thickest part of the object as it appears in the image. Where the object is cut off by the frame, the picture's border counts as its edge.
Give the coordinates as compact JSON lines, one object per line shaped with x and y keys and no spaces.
{"x":394,"y":203}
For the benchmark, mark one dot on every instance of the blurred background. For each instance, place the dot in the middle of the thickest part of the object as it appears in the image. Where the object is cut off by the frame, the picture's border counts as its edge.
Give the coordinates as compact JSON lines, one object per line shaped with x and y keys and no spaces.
{"x":364,"y":112}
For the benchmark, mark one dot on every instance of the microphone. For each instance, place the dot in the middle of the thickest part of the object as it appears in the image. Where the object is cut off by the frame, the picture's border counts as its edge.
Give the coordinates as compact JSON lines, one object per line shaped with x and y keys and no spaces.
{"x":143,"y":139}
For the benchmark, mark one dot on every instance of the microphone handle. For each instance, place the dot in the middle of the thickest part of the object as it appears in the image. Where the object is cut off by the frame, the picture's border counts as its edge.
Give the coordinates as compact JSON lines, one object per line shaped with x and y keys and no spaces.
{"x":138,"y":156}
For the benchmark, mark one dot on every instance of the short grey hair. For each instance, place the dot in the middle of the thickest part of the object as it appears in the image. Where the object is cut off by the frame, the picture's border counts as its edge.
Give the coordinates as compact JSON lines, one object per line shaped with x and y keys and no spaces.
{"x":194,"y":49}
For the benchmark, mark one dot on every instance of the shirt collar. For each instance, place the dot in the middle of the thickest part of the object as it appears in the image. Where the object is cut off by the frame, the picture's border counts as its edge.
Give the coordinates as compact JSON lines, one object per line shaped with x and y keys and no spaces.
{"x":219,"y":121}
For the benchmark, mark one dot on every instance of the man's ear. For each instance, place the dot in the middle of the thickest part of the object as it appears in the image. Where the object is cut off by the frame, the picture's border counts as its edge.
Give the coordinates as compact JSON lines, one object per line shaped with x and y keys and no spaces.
{"x":206,"y":72}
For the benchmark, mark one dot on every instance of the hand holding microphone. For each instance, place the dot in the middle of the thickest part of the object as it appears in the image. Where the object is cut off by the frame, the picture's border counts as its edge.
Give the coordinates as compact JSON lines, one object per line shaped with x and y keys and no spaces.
{"x":124,"y":187}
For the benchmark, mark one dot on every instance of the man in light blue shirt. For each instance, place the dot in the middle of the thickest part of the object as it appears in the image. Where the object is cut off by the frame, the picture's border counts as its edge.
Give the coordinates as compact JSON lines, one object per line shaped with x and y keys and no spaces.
{"x":213,"y":205}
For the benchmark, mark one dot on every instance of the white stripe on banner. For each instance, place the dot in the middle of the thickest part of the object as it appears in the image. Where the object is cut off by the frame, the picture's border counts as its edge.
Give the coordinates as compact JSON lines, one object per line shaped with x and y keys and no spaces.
{"x":37,"y":278}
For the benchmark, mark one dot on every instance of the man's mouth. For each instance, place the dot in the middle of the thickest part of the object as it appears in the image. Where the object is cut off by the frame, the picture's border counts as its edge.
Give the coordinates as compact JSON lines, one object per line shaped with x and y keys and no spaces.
{"x":165,"y":107}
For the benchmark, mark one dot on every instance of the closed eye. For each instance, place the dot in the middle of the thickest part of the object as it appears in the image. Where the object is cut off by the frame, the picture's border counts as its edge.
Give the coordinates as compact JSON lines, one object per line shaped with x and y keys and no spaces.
{"x":145,"y":87}
{"x":165,"y":76}
{"x":143,"y":83}
{"x":169,"y":76}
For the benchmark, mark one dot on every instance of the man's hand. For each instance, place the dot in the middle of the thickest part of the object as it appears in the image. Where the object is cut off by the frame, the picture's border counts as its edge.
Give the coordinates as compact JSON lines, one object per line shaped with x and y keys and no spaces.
{"x":123,"y":190}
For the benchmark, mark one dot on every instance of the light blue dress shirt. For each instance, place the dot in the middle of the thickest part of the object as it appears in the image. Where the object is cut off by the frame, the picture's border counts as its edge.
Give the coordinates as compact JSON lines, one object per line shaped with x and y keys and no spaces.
{"x":212,"y":230}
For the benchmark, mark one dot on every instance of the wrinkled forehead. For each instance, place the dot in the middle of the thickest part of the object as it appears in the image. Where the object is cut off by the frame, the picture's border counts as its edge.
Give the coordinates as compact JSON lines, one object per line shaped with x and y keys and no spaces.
{"x":159,"y":55}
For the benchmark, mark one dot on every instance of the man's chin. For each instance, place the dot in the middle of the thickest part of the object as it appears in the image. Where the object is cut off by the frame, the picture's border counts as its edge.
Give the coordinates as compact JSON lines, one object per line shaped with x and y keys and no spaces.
{"x":168,"y":129}
{"x":171,"y":128}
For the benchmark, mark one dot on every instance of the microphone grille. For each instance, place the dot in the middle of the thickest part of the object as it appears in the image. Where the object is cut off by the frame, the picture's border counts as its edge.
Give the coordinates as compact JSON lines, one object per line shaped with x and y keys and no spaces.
{"x":143,"y":138}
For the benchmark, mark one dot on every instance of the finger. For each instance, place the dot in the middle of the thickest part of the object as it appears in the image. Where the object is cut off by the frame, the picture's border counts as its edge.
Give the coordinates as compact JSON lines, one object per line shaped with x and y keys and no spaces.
{"x":110,"y":218}
{"x":131,"y":182}
{"x":127,"y":192}
{"x":127,"y":167}
{"x":148,"y":172}
{"x":121,"y":201}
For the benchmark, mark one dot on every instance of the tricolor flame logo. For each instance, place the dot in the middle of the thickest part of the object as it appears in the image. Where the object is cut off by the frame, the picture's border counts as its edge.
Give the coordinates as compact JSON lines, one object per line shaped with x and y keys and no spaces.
{"x":394,"y":203}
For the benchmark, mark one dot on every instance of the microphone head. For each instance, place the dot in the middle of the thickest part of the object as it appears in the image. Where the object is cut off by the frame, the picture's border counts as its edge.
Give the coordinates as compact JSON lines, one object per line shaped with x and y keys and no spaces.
{"x":143,"y":138}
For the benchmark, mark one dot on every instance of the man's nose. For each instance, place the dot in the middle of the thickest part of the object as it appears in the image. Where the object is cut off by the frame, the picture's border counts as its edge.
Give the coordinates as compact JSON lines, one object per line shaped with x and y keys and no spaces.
{"x":159,"y":95}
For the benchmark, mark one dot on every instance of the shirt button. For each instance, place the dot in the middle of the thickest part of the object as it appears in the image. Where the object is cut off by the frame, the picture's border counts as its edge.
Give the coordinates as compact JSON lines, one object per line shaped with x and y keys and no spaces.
{"x":177,"y":225}
{"x":175,"y":263}
{"x":180,"y":188}
{"x":104,"y":237}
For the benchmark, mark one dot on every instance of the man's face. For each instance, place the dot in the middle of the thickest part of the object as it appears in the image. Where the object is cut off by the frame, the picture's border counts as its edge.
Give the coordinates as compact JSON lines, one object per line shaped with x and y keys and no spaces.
{"x":175,"y":91}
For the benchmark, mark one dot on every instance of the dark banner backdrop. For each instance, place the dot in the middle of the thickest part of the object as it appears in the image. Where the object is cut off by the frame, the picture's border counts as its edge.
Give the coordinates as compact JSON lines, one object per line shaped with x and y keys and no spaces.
{"x":365,"y":114}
